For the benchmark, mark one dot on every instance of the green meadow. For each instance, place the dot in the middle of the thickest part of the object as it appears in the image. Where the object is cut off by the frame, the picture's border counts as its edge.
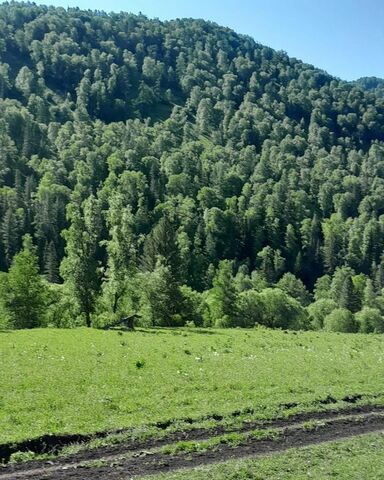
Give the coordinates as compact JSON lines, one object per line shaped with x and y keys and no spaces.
{"x":86,"y":380}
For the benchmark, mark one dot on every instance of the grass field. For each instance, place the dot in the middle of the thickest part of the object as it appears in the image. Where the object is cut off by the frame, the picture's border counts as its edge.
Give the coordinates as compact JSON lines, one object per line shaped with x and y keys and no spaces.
{"x":83,"y":380}
{"x":358,"y":459}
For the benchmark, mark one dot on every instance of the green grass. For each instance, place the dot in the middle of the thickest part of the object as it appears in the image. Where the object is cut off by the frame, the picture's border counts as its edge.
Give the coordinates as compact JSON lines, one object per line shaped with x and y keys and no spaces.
{"x":358,"y":459}
{"x":232,"y":439}
{"x":83,"y":380}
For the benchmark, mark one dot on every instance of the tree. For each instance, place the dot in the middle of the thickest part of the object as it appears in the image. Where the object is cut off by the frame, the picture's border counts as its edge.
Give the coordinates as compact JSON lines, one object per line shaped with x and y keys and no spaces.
{"x":340,"y":320}
{"x":121,"y":263}
{"x":162,"y":242}
{"x":222,"y":298}
{"x":323,"y":287}
{"x":281,"y":311}
{"x":25,"y":81}
{"x":334,"y":234}
{"x":271,"y":264}
{"x":319,"y":310}
{"x":295,"y":288}
{"x":370,"y":320}
{"x":25,"y":294}
{"x":369,"y":298}
{"x":10,"y":232}
{"x":80,"y":267}
{"x":51,"y":264}
{"x":343,"y":290}
{"x":161,"y":298}
{"x":250,"y":309}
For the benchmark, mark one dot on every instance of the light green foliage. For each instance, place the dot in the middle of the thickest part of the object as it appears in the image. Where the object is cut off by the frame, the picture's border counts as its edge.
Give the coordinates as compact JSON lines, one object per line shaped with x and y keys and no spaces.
{"x":61,"y":311}
{"x":281,"y":311}
{"x":84,"y":380}
{"x":24,"y":295}
{"x":6,"y":320}
{"x":295,"y":288}
{"x":160,"y":297}
{"x":192,"y":305}
{"x":250,"y":309}
{"x":340,"y":320}
{"x":323,"y":287}
{"x":222,"y":299}
{"x":318,"y":310}
{"x":370,"y":320}
{"x":121,"y":256}
{"x":79,"y":267}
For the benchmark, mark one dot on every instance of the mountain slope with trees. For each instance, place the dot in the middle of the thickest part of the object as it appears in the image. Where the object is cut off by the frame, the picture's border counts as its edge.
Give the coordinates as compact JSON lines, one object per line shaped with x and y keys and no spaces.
{"x":185,"y":172}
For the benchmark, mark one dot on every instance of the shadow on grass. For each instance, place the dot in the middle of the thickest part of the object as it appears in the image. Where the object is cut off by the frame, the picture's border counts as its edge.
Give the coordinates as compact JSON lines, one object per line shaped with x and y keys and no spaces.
{"x":177,"y":331}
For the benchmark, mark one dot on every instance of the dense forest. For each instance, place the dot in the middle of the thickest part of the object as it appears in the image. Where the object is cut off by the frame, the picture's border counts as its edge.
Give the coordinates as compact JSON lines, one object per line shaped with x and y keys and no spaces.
{"x":184,"y":173}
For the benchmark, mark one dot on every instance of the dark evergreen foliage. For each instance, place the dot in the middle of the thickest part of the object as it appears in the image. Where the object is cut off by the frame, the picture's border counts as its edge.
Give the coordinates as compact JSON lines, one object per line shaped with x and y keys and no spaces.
{"x":132,"y":146}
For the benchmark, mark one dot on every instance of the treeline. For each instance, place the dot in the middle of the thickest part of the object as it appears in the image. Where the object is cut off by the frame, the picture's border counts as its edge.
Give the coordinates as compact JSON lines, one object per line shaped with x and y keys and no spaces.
{"x":156,"y":164}
{"x":345,"y":302}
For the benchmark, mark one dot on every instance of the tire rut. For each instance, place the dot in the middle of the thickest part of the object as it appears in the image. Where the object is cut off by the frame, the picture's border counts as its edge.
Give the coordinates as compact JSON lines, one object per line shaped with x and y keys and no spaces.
{"x":116,"y":467}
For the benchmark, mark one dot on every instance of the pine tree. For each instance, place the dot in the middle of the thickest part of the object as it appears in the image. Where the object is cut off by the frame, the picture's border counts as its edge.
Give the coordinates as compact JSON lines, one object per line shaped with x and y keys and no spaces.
{"x":162,"y":242}
{"x":51,"y":263}
{"x":369,"y":299}
{"x":223,"y":296}
{"x":10,"y":234}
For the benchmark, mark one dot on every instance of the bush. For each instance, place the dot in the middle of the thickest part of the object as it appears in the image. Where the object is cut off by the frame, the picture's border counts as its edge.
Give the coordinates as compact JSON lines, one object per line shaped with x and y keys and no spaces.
{"x":223,"y":322}
{"x":250,"y":309}
{"x":192,"y":306}
{"x":62,"y":311}
{"x":370,"y":320}
{"x":340,"y":320}
{"x":319,"y":310}
{"x":279,"y":310}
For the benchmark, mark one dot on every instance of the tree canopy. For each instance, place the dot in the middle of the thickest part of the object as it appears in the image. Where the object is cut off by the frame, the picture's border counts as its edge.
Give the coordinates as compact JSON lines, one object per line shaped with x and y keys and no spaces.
{"x":140,"y":152}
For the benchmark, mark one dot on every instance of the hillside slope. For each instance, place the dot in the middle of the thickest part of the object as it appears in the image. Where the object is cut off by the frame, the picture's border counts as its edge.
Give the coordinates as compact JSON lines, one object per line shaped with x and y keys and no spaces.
{"x":132,"y":144}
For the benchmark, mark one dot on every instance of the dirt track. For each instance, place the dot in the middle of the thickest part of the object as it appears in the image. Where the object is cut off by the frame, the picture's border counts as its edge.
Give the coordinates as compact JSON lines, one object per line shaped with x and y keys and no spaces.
{"x":107,"y":462}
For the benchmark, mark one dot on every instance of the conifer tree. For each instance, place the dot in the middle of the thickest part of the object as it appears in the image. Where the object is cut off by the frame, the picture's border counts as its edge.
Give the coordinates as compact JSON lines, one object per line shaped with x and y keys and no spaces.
{"x":25,"y":296}
{"x":223,"y":296}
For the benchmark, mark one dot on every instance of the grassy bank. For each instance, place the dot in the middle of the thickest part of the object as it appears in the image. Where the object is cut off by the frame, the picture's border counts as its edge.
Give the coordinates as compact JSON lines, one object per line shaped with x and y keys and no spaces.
{"x":83,"y":380}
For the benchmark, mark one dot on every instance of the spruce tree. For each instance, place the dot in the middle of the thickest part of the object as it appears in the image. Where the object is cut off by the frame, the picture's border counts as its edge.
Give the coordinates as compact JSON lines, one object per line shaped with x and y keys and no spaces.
{"x":25,"y":296}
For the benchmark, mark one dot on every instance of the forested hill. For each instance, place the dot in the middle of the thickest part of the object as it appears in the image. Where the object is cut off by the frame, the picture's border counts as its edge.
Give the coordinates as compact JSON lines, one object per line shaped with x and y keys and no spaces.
{"x":151,"y":161}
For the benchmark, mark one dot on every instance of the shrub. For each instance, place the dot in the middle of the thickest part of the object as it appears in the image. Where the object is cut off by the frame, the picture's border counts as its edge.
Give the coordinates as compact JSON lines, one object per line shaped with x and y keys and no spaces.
{"x":319,"y":310}
{"x":370,"y":320}
{"x":223,"y":322}
{"x":62,"y":311}
{"x":279,"y":310}
{"x":340,"y":320}
{"x":250,"y":309}
{"x":192,"y":306}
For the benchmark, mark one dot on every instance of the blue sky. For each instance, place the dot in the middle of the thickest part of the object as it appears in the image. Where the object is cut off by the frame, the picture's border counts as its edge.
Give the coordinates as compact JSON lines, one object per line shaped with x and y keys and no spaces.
{"x":344,"y":37}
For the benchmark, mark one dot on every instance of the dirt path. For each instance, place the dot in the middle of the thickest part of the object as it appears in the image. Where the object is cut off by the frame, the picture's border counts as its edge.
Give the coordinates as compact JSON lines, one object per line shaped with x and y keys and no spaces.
{"x":109,"y":462}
